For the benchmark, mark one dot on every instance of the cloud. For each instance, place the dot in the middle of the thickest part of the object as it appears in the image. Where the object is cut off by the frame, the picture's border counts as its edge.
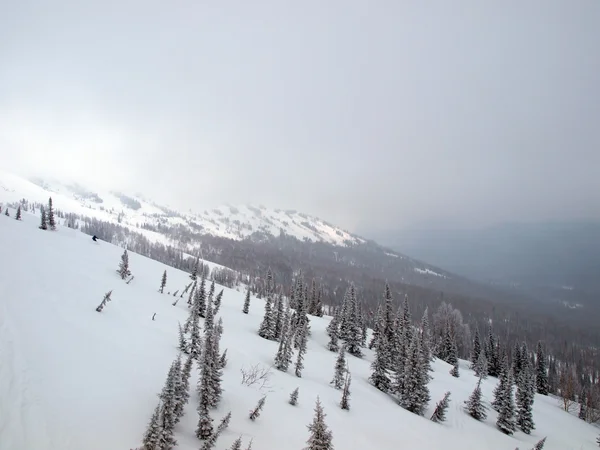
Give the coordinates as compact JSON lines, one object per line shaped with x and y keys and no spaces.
{"x":372,"y":115}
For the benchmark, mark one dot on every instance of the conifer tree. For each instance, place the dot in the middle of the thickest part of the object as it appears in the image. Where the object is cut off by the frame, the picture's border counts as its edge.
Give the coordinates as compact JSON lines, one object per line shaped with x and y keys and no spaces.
{"x":246,"y":307}
{"x":319,"y":308}
{"x":454,"y":371}
{"x":345,"y":403}
{"x":195,"y":267}
{"x":180,"y":396}
{"x":153,"y":432}
{"x":540,"y":444}
{"x":516,"y":362}
{"x":541,"y":377}
{"x":503,"y":384}
{"x":426,"y":339}
{"x":450,"y":350}
{"x":353,"y":333}
{"x":167,"y":417}
{"x":283,"y":358}
{"x":494,"y":355}
{"x":321,"y":437}
{"x":267,"y":326}
{"x":163,"y":282}
{"x":44,"y":222}
{"x":474,"y":406}
{"x":209,"y":319}
{"x":412,"y":387}
{"x":205,"y":430}
{"x":216,"y":372}
{"x":481,"y":367}
{"x":279,"y":316}
{"x":503,"y":400}
{"x":525,"y":397}
{"x":186,"y":372}
{"x":439,"y":413}
{"x":340,"y":369}
{"x":51,"y":220}
{"x":332,"y":330}
{"x":223,"y":360}
{"x":123,"y":270}
{"x":377,"y":329}
{"x":105,"y":300}
{"x":6,"y":213}
{"x":301,"y":350}
{"x":218,"y":300}
{"x":201,"y":297}
{"x":476,"y":349}
{"x":192,"y":295}
{"x":255,"y":413}
{"x":294,"y":397}
{"x":379,"y":378}
{"x":312,"y":303}
{"x":237,"y":444}
{"x":182,"y":342}
{"x":18,"y":216}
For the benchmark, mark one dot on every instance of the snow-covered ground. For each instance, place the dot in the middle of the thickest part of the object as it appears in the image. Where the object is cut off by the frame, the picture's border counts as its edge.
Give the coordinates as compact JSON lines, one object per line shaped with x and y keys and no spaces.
{"x":72,"y":378}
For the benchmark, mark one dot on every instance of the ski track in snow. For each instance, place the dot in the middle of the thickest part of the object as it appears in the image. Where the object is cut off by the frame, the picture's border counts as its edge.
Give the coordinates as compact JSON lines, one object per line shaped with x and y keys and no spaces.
{"x":72,"y":379}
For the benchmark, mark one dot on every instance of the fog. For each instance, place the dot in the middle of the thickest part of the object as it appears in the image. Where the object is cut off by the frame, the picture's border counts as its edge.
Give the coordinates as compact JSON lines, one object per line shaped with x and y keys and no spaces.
{"x":373,"y":115}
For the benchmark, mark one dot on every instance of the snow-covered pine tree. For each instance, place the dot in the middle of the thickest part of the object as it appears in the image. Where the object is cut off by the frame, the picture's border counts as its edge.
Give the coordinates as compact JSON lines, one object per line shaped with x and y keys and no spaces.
{"x":377,"y":328}
{"x":195,"y":267}
{"x":503,"y":400}
{"x":312,"y":301}
{"x":541,"y":376}
{"x":163,"y":282}
{"x":218,"y":300}
{"x":439,"y":413}
{"x":223,"y":425}
{"x":44,"y":221}
{"x":215,"y":364}
{"x":301,"y":349}
{"x":51,"y":220}
{"x":192,"y":295}
{"x":182,"y":342}
{"x":426,"y":339}
{"x":283,"y":358}
{"x":320,"y":437}
{"x":267,"y":326}
{"x":340,"y":369}
{"x":363,"y":330}
{"x":209,"y":320}
{"x":525,"y":397}
{"x":333,"y":331}
{"x":168,"y":418}
{"x":517,"y":362}
{"x":205,"y":430}
{"x":123,"y":269}
{"x":476,"y":349}
{"x":200,"y":297}
{"x":294,"y":397}
{"x":481,"y":367}
{"x":412,"y":387}
{"x":153,"y":432}
{"x":180,"y":396}
{"x":186,"y":372}
{"x":319,"y":308}
{"x":279,"y":316}
{"x":540,"y":444}
{"x":450,"y":350}
{"x":494,"y":355}
{"x":353,"y":335}
{"x":474,"y":405}
{"x":379,"y":378}
{"x":345,"y":402}
{"x":255,"y":413}
{"x":237,"y":444}
{"x":195,"y":341}
{"x":246,"y":307}
{"x":18,"y":216}
{"x":105,"y":300}
{"x":454,"y":371}
{"x":223,"y":360}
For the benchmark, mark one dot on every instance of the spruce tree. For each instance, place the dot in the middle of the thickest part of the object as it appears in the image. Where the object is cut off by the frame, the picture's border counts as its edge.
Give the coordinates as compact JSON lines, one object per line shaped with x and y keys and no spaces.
{"x":320,"y":437}
{"x":201,"y":297}
{"x":474,"y":406}
{"x":377,"y":329}
{"x":123,"y":270}
{"x":216,"y":373}
{"x":255,"y":413}
{"x":180,"y":395}
{"x":503,"y":383}
{"x":205,"y":429}
{"x":541,"y":377}
{"x":223,"y":360}
{"x":450,"y":350}
{"x":209,"y":319}
{"x":218,"y":300}
{"x":414,"y":393}
{"x":353,"y":333}
{"x":51,"y":220}
{"x":481,"y":367}
{"x":516,"y":362}
{"x":105,"y":300}
{"x":454,"y":371}
{"x":237,"y":444}
{"x":246,"y":307}
{"x":283,"y":358}
{"x":340,"y":369}
{"x":426,"y":339}
{"x":379,"y":378}
{"x":503,"y":400}
{"x":294,"y":397}
{"x":319,"y":308}
{"x":525,"y":397}
{"x":267,"y":326}
{"x":163,"y":282}
{"x":540,"y":444}
{"x":186,"y":372}
{"x":167,"y":417}
{"x":18,"y":216}
{"x":301,"y":349}
{"x":494,"y":356}
{"x":312,"y":303}
{"x":182,"y":342}
{"x":345,"y":403}
{"x":279,"y":316}
{"x":439,"y":413}
{"x":44,"y":222}
{"x":195,"y":267}
{"x":153,"y":432}
{"x":333,"y":332}
{"x":476,"y":349}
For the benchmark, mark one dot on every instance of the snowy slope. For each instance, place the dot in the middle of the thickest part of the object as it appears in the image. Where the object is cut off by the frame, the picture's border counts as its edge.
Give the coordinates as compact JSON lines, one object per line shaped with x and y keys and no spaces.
{"x":226,"y":221}
{"x":72,"y":378}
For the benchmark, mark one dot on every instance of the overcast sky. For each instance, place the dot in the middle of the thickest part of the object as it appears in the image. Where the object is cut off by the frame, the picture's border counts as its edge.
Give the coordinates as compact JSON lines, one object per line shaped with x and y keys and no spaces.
{"x":370,"y":114}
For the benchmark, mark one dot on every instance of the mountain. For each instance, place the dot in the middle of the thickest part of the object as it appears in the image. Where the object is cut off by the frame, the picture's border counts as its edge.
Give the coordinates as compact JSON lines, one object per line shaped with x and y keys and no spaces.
{"x":72,"y":378}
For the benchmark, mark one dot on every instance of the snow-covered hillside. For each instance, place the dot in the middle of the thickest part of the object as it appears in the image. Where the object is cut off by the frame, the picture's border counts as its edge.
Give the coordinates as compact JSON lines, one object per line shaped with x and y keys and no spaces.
{"x":72,"y":378}
{"x":234,"y":222}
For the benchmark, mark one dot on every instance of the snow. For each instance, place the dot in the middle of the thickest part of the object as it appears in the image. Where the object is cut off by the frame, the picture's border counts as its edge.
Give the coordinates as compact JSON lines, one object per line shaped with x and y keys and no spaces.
{"x":72,"y":378}
{"x":429,"y":272}
{"x":233,"y":222}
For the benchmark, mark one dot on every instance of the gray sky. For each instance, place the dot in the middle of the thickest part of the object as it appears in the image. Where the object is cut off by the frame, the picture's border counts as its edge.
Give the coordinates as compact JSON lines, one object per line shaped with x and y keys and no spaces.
{"x":370,"y":114}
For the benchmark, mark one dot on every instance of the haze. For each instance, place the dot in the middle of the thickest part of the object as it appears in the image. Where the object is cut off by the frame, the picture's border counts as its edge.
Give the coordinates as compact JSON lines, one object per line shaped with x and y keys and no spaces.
{"x":372,"y":115}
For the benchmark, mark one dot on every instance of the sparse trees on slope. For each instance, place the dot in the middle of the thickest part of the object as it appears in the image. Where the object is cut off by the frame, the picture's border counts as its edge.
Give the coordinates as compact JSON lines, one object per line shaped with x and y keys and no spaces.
{"x":255,"y":413}
{"x":439,"y":413}
{"x":163,"y":282}
{"x":379,"y":378}
{"x":340,"y":369}
{"x":321,"y":437}
{"x":105,"y":300}
{"x":345,"y":403}
{"x":294,"y":397}
{"x":123,"y":269}
{"x":541,"y":376}
{"x":246,"y":307}
{"x":44,"y":220}
{"x":474,"y":405}
{"x":51,"y":220}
